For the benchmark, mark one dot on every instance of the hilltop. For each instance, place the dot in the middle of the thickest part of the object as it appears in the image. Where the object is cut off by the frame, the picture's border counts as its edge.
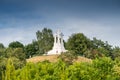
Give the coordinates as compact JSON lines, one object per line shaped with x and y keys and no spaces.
{"x":54,"y":58}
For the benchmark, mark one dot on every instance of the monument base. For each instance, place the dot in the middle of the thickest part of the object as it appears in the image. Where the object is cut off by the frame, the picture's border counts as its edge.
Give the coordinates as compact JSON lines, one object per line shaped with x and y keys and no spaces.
{"x":55,"y":52}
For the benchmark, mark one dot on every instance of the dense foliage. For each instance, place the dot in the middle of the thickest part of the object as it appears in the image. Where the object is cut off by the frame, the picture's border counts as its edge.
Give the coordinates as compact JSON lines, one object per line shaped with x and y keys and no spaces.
{"x":78,"y":43}
{"x":69,"y":57}
{"x":105,"y":65}
{"x":100,"y":69}
{"x":45,"y":40}
{"x":95,"y":48}
{"x":16,"y":44}
{"x":1,"y":46}
{"x":31,"y":49}
{"x":16,"y":54}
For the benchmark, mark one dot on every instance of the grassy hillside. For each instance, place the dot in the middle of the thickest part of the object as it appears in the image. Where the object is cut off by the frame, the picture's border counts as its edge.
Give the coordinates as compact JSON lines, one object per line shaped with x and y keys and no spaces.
{"x":54,"y":58}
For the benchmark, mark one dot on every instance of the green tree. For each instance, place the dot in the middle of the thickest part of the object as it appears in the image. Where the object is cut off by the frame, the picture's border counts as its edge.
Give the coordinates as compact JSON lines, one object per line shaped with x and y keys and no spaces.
{"x":97,"y":43}
{"x":10,"y":71}
{"x":45,"y":40}
{"x":92,"y":53}
{"x":16,"y":44}
{"x":103,"y":47}
{"x":2,"y":52}
{"x":104,"y":66}
{"x":98,"y":48}
{"x":79,"y":43}
{"x":2,"y":46}
{"x":9,"y":52}
{"x":17,"y":55}
{"x":31,"y":49}
{"x":116,"y":53}
{"x":3,"y":62}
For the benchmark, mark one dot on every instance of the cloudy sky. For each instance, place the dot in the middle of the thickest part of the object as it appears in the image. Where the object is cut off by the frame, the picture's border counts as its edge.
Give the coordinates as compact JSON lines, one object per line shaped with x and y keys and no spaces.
{"x":20,"y":19}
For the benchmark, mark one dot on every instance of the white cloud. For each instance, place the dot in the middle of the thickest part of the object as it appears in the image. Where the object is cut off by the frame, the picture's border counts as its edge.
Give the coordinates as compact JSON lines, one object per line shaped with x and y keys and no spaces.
{"x":100,"y":30}
{"x":25,"y":29}
{"x":24,"y":35}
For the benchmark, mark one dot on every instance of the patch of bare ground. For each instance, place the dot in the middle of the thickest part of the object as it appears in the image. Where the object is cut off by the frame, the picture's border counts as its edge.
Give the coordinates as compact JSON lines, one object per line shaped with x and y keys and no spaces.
{"x":54,"y":58}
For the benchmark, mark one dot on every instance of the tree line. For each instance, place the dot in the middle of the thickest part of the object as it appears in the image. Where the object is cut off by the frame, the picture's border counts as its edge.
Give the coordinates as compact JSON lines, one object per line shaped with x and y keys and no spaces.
{"x":77,"y":43}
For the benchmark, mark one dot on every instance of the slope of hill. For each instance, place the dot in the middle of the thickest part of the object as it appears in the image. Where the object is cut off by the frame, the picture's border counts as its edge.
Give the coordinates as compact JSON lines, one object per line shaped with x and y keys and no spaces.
{"x":54,"y":58}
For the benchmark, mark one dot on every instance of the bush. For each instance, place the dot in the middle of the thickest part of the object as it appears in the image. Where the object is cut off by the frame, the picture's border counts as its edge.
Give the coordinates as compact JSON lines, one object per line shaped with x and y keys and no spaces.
{"x":68,"y":57}
{"x":99,"y":69}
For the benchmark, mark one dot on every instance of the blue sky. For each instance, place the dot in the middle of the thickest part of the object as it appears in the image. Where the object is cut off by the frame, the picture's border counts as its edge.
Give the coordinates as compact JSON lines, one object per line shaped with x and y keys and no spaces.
{"x":20,"y":19}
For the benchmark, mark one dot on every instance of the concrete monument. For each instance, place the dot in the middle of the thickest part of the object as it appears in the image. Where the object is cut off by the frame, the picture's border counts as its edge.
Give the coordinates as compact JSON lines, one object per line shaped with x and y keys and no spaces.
{"x":58,"y":47}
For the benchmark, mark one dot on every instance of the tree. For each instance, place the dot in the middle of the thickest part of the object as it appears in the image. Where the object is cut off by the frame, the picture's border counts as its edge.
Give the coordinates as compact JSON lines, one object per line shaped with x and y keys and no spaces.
{"x":2,"y":52}
{"x":92,"y":53}
{"x":45,"y":40}
{"x":116,"y":53}
{"x":97,"y":43}
{"x":79,"y":43}
{"x":31,"y":49}
{"x":104,"y":67}
{"x":17,"y":55}
{"x":16,"y":44}
{"x":1,"y":46}
{"x":3,"y":62}
{"x":10,"y":71}
{"x":102,"y":47}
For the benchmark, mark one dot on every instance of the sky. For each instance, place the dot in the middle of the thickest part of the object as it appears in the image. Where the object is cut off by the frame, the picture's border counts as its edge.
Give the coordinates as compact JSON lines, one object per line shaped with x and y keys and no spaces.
{"x":21,"y":19}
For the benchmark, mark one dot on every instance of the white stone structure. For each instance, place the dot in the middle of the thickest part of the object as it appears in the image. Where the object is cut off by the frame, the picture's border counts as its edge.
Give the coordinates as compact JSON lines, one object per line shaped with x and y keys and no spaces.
{"x":58,"y":47}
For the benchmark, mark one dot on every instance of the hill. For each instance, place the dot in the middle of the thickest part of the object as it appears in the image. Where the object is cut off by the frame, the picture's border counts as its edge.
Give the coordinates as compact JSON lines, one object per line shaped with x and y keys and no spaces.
{"x":54,"y":58}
